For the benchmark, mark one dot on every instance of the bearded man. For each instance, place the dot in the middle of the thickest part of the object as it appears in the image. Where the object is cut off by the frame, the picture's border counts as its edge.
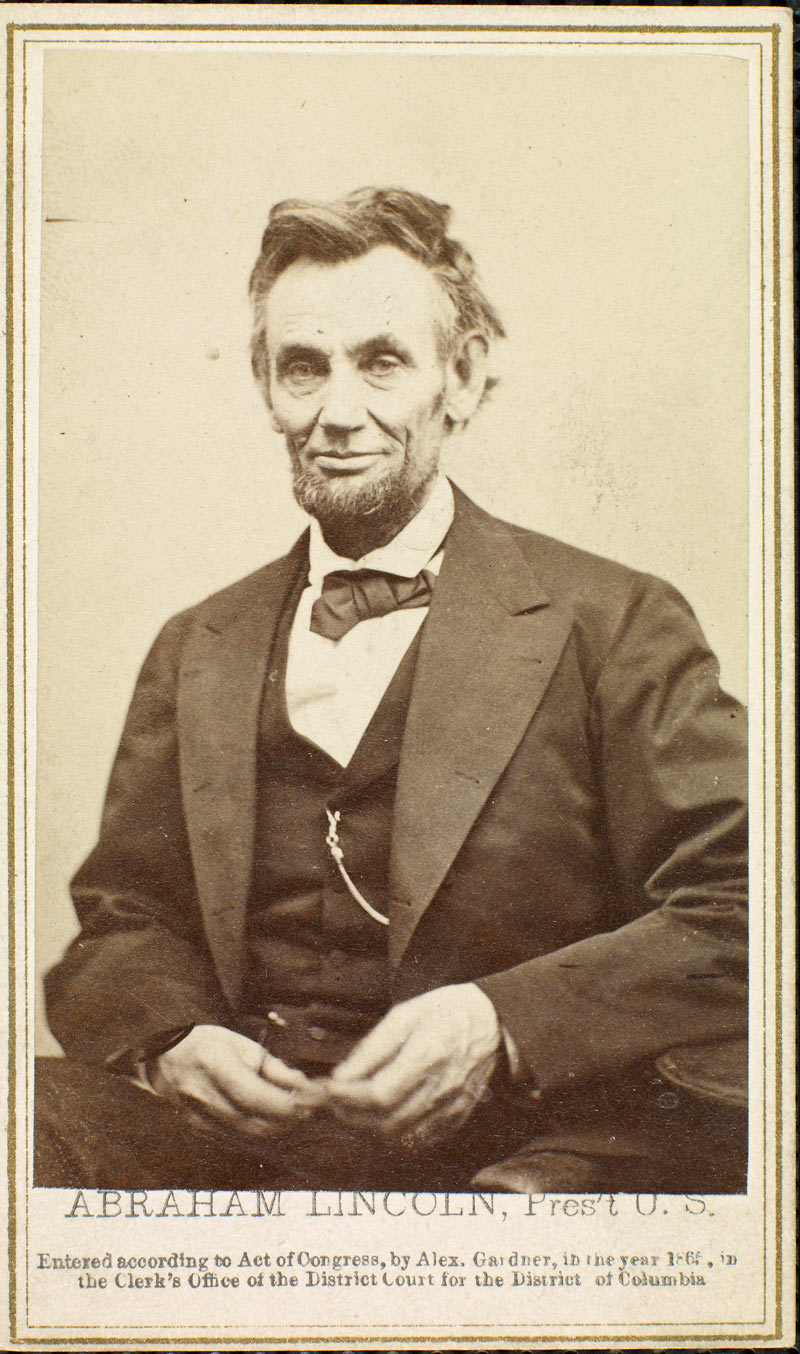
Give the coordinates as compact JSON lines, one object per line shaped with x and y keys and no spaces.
{"x":423,"y":858}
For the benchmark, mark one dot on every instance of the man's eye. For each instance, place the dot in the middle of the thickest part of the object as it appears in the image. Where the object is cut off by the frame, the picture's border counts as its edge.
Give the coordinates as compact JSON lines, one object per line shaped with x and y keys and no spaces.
{"x":301,"y":371}
{"x":383,"y":366}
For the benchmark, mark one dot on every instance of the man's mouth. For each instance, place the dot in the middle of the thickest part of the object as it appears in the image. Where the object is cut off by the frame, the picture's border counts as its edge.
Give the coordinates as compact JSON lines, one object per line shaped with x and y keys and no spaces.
{"x":346,"y":463}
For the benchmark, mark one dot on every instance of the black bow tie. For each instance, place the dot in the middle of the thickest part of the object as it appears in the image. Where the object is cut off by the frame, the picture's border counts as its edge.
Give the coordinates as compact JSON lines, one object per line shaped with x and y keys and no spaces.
{"x":352,"y":596}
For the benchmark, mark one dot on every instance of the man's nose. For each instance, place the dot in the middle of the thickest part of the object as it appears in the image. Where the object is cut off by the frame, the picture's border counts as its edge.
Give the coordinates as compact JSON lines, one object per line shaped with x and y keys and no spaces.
{"x":343,"y":407}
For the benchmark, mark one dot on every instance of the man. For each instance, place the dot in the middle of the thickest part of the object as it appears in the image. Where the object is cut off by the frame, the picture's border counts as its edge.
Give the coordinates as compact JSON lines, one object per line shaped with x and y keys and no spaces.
{"x":423,"y":844}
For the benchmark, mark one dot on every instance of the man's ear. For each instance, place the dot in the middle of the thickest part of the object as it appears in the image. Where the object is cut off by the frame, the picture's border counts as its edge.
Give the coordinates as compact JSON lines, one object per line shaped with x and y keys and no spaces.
{"x":466,"y":377}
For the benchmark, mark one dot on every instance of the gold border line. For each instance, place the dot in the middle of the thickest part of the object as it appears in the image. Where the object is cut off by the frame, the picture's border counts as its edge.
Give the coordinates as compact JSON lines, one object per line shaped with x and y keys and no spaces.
{"x":778,"y":670}
{"x":774,"y":32}
{"x":385,"y":28}
{"x":24,"y":613}
{"x":10,"y":657}
{"x":763,"y":552}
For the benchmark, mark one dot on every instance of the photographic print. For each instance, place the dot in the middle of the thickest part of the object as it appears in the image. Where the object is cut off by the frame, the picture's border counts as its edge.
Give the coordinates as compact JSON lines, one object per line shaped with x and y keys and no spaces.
{"x":399,"y":595}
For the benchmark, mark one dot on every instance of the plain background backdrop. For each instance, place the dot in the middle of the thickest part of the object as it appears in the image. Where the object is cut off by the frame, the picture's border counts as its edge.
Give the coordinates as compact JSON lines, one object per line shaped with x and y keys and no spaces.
{"x":604,"y":196}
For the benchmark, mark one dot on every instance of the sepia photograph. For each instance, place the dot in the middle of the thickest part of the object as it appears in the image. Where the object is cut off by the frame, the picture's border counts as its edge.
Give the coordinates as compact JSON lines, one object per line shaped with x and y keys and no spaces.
{"x":399,"y":570}
{"x":518,"y":750}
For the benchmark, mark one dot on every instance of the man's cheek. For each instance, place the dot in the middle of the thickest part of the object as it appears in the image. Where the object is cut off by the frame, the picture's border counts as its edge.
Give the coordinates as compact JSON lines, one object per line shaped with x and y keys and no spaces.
{"x":294,"y":415}
{"x":299,"y":423}
{"x":386,"y":418}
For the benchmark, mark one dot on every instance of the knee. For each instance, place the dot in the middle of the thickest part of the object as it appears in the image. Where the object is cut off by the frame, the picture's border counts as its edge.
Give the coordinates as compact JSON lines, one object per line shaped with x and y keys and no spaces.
{"x":63,"y":1088}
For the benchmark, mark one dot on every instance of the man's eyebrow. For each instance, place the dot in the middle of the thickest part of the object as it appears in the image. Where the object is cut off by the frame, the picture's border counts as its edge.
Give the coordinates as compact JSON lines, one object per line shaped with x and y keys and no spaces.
{"x":382,"y":343}
{"x":298,"y":352}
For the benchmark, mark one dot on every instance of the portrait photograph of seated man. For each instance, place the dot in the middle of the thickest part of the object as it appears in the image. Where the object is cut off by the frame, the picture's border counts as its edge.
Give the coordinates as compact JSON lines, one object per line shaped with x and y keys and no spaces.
{"x":405,"y":452}
{"x":423,"y":857}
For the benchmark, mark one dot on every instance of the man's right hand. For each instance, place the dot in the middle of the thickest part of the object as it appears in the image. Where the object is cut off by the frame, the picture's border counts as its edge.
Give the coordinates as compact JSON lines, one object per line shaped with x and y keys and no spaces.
{"x":229,"y":1083}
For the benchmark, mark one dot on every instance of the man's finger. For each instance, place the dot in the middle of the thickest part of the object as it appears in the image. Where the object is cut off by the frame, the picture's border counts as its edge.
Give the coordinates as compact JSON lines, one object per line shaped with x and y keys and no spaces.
{"x":272,"y":1069}
{"x":362,"y":1109}
{"x":259,"y":1099}
{"x":392,"y":1108}
{"x":210,"y":1111}
{"x":373,"y":1052}
{"x":396,"y":1079}
{"x":415,"y":1124}
{"x":214,"y":1112}
{"x":229,"y":1127}
{"x":251,"y":1094}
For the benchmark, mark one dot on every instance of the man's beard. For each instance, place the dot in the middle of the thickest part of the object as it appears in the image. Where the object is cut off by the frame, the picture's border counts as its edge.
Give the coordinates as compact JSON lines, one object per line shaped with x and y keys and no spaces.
{"x":358,"y":518}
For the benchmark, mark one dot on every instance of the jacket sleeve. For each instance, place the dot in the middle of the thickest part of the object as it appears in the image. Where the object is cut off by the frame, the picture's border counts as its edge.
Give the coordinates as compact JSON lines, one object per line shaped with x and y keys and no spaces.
{"x":140,"y":965}
{"x":670,"y":753}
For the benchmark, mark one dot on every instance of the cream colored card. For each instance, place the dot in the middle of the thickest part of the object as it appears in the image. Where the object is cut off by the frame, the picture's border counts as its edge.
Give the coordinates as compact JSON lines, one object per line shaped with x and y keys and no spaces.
{"x":623,"y":179}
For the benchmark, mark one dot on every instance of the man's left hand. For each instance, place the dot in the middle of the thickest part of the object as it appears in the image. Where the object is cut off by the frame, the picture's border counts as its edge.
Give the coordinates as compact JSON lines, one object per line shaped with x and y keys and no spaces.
{"x":420,"y":1073}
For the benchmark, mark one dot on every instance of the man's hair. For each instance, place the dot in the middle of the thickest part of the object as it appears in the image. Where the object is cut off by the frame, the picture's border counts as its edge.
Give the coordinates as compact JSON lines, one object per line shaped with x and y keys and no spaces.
{"x":331,"y":232}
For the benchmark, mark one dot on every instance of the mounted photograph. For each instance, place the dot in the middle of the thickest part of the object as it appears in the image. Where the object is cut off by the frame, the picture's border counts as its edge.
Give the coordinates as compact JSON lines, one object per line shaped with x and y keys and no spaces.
{"x":400,"y":656}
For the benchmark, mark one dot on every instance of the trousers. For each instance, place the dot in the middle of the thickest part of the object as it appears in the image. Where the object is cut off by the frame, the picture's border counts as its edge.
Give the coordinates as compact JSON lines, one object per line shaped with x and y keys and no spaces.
{"x":98,"y":1130}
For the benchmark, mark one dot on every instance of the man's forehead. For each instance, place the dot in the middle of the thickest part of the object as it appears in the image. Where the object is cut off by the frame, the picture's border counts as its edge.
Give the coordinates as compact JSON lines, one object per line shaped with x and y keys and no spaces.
{"x":384,"y":290}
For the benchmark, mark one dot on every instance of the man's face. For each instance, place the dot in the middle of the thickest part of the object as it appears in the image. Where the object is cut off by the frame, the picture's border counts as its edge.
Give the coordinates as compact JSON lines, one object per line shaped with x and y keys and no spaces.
{"x":358,"y":384}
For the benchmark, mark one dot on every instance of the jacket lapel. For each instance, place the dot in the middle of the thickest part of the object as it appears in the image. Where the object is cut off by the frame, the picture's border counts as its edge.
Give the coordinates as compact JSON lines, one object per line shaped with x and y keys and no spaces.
{"x":489,"y":647}
{"x":219,"y":696}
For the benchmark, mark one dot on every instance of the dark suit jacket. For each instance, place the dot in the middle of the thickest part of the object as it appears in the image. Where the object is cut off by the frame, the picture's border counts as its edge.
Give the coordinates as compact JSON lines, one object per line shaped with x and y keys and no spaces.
{"x":569,"y":822}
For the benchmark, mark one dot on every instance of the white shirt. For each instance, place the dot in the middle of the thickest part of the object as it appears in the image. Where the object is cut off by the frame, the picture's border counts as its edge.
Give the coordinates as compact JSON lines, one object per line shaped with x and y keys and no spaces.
{"x":334,"y":686}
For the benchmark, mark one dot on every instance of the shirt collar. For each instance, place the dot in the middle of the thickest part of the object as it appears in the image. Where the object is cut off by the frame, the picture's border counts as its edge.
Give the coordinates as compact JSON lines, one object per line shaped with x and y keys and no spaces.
{"x":418,"y":546}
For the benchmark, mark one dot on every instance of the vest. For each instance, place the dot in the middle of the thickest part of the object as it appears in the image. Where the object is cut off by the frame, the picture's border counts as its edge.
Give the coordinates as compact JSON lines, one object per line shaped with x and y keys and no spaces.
{"x":318,"y":974}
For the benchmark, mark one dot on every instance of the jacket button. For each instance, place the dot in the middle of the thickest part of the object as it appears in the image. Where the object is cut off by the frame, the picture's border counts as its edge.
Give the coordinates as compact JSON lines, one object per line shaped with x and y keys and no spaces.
{"x":317,"y":1032}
